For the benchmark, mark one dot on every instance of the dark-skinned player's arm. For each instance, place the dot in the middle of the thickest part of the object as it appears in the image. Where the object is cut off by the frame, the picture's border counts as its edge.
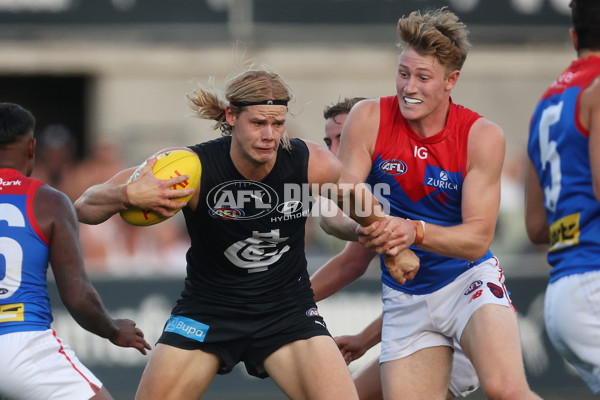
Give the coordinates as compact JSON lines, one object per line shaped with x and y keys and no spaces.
{"x":55,"y":216}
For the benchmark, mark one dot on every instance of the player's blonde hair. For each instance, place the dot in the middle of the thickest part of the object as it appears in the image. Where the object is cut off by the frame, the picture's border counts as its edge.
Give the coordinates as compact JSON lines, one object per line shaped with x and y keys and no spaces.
{"x":437,"y":33}
{"x":249,"y":86}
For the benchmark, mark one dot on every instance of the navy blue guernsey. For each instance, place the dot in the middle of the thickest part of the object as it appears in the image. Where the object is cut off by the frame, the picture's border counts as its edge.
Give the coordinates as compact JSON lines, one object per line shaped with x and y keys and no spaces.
{"x":247,"y":237}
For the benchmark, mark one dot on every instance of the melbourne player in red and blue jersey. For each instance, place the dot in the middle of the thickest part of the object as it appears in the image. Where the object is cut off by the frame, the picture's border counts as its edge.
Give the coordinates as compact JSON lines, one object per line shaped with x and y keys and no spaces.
{"x":425,"y":177}
{"x":563,"y":197}
{"x":37,"y":227}
{"x":442,"y":164}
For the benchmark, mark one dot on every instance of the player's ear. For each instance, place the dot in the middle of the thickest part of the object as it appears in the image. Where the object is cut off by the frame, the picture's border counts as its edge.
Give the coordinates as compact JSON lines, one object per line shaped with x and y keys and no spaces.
{"x":31,"y":148}
{"x":230,"y":116}
{"x":451,"y":79}
{"x":574,"y":39}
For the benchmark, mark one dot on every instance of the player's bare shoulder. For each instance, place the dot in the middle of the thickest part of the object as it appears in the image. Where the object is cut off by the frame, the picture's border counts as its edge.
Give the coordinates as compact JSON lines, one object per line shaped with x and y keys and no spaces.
{"x":52,"y":206}
{"x":589,"y":103}
{"x":323,"y":166}
{"x":486,"y":144}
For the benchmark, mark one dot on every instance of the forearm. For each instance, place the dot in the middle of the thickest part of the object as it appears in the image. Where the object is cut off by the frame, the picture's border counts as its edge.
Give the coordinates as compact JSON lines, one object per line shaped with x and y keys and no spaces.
{"x":356,"y":201}
{"x":100,"y":202}
{"x":469,"y":241}
{"x":89,"y":312}
{"x":338,"y":225}
{"x":371,"y":335}
{"x":341,"y":270}
{"x":329,"y":280}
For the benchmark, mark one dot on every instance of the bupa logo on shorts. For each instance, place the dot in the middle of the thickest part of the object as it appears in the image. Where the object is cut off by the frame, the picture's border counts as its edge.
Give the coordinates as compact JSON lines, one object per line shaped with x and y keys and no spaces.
{"x":496,"y":290}
{"x":393,"y":167}
{"x":473,"y":287}
{"x":187,"y":327}
{"x":241,"y":200}
{"x":312,"y":312}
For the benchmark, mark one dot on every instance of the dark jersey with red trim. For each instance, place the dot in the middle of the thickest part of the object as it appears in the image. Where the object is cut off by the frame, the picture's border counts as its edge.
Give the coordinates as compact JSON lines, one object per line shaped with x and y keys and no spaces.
{"x":425,"y":177}
{"x":247,"y":237}
{"x":559,"y":150}
{"x":24,"y":301}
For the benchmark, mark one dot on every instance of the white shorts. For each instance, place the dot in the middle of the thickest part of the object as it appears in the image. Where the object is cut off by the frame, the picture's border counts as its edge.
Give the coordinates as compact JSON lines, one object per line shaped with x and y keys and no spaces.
{"x":572,"y":317}
{"x":38,"y":365}
{"x":415,"y":322}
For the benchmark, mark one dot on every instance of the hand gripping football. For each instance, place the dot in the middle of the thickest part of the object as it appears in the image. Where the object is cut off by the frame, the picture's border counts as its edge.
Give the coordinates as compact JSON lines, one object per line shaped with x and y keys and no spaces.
{"x":168,"y":165}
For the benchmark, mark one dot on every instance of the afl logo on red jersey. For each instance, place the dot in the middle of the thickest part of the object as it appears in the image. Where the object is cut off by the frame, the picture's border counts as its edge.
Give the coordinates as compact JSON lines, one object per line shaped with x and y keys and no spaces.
{"x":393,"y":167}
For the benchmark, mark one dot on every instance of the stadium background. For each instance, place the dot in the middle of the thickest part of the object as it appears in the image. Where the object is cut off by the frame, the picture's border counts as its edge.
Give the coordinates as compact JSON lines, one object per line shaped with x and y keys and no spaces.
{"x":109,"y":78}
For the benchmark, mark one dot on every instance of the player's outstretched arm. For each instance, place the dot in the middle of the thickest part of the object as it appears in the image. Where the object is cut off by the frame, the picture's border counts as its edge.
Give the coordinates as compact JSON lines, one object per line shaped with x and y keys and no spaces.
{"x":55,"y":215}
{"x":334,"y":222}
{"x":324,"y":168}
{"x":100,"y":202}
{"x":341,"y":270}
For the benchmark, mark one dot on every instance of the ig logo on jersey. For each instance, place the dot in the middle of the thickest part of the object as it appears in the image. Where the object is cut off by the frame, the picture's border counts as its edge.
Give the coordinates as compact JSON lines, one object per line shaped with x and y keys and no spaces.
{"x":393,"y":167}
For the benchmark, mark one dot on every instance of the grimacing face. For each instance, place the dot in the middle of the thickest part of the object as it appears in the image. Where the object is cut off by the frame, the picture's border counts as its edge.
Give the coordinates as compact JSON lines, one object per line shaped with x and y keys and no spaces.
{"x":256,"y":132}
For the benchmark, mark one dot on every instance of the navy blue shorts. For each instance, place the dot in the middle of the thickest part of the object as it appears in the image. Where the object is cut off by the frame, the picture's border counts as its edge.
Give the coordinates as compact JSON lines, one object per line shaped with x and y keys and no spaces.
{"x":236,"y":335}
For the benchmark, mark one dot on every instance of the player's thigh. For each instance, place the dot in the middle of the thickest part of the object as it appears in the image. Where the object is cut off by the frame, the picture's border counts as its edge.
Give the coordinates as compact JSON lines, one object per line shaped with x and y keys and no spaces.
{"x":424,"y":374}
{"x":491,"y":340}
{"x":368,"y":381}
{"x":311,"y":369}
{"x":177,"y":374}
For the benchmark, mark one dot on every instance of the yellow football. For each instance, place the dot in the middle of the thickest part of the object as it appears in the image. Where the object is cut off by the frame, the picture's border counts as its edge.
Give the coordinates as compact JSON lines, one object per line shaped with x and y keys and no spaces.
{"x":168,"y":165}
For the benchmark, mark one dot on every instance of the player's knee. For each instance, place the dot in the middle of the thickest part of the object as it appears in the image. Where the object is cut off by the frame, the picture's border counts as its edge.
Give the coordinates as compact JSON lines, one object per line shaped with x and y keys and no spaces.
{"x":498,"y":388}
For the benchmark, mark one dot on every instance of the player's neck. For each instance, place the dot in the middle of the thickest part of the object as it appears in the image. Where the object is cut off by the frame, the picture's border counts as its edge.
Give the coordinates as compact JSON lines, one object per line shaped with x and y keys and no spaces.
{"x":582,"y":54}
{"x":431,"y":124}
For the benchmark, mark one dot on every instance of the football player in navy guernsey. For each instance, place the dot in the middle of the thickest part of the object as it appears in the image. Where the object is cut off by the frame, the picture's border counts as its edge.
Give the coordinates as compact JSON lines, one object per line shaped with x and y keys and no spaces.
{"x":563,"y":197}
{"x":37,"y":227}
{"x":247,"y":295}
{"x":442,"y":163}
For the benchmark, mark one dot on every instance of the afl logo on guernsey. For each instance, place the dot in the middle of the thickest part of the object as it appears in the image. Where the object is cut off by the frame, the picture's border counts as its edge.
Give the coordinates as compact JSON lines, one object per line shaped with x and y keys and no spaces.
{"x":312,"y":312}
{"x":241,"y":200}
{"x":393,"y":167}
{"x":227,"y":213}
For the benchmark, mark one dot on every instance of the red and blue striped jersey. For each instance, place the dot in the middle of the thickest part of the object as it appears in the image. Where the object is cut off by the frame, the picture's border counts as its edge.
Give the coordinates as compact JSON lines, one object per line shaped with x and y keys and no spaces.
{"x":425,"y":177}
{"x":24,"y":301}
{"x":559,"y":149}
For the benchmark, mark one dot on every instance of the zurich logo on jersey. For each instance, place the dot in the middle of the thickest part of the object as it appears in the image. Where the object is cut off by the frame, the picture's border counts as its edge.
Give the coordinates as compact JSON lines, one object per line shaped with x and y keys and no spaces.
{"x":393,"y":167}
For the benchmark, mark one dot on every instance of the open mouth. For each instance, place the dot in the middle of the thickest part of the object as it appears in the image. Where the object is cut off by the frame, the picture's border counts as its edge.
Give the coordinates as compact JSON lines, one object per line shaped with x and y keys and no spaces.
{"x":410,"y":100}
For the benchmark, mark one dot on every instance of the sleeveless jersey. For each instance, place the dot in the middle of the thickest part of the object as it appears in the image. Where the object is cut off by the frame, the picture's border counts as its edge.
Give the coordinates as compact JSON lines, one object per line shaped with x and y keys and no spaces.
{"x":558,"y":148}
{"x":24,"y":301}
{"x":247,"y":237}
{"x":425,"y":177}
